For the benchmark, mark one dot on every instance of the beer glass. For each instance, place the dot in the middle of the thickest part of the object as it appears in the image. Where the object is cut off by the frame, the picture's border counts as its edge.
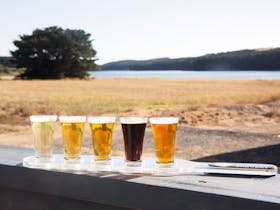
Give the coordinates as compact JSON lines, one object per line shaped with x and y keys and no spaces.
{"x":164,"y":133}
{"x":72,"y":133}
{"x":43,"y":129}
{"x":101,"y":132}
{"x":133,"y":133}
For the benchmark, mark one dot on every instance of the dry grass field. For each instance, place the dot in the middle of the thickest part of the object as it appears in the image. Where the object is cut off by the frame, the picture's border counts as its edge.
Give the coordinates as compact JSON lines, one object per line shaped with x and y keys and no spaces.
{"x":102,"y":96}
{"x":216,"y":116}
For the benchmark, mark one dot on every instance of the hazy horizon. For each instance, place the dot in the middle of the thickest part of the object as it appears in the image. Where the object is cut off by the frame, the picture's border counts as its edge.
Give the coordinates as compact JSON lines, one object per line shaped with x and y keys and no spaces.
{"x":141,"y":30}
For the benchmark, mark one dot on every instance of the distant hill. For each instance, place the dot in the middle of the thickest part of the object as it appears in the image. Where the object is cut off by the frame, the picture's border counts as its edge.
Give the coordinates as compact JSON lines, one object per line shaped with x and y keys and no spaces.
{"x":257,"y":59}
{"x":6,"y":61}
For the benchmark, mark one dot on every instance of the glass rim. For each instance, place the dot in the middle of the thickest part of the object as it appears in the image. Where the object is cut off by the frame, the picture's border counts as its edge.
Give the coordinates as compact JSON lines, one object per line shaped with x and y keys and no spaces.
{"x":101,"y":119}
{"x":164,"y":120}
{"x":133,"y":120}
{"x":43,"y":118}
{"x":72,"y":119}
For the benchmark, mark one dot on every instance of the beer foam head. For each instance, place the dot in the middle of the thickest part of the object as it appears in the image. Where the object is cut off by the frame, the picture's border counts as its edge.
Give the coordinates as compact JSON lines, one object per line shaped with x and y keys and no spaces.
{"x":164,"y":120}
{"x":72,"y":119}
{"x":101,"y":119}
{"x":43,"y":118}
{"x":133,"y":120}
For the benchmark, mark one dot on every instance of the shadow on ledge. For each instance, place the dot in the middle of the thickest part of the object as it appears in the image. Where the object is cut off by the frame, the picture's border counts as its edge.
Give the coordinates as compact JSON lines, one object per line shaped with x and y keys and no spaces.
{"x":267,"y":154}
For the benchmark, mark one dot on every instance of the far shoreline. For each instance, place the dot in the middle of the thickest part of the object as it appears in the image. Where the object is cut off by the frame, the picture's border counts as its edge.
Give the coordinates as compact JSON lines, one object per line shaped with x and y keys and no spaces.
{"x":182,"y":74}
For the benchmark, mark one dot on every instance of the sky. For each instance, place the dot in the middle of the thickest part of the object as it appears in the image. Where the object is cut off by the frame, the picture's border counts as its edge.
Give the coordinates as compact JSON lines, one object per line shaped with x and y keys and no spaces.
{"x":146,"y":29}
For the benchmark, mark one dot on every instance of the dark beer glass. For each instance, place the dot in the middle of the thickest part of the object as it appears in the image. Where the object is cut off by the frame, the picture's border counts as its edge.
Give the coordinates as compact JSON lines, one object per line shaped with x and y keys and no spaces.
{"x":133,"y":133}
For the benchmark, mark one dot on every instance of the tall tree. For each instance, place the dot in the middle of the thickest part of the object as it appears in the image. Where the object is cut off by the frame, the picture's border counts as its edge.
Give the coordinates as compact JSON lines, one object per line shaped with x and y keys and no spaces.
{"x":54,"y":53}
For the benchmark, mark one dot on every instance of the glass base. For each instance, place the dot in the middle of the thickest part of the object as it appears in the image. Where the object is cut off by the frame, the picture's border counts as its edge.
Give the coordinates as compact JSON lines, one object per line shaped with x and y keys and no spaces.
{"x":38,"y":162}
{"x":44,"y":162}
{"x":165,"y":169}
{"x":71,"y":164}
{"x":100,"y":165}
{"x":44,"y":159}
{"x":131,"y":167}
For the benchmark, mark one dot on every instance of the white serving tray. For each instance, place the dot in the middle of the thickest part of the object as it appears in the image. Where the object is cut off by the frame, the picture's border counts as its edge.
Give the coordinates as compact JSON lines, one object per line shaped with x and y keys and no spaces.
{"x":149,"y":167}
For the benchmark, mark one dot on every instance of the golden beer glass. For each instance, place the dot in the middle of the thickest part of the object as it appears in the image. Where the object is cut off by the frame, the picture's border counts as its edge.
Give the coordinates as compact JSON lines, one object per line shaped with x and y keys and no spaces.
{"x":72,"y":132}
{"x":101,"y":132}
{"x":43,"y":129}
{"x":164,"y":133}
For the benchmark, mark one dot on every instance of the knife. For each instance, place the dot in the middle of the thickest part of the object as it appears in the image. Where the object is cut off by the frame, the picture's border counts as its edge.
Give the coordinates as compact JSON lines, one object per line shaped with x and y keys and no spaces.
{"x":255,"y":169}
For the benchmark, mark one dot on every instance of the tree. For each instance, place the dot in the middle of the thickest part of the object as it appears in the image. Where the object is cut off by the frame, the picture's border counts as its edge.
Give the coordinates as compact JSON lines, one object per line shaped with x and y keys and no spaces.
{"x":54,"y":53}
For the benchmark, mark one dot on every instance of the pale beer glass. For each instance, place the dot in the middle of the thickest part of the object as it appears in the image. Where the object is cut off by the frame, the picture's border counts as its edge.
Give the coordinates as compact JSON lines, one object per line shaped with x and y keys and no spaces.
{"x":72,"y":132}
{"x":164,"y":133}
{"x":43,"y":128}
{"x":101,"y":128}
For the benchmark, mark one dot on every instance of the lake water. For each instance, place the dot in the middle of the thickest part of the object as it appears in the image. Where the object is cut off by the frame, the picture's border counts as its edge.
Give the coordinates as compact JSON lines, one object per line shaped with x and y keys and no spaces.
{"x":189,"y":74}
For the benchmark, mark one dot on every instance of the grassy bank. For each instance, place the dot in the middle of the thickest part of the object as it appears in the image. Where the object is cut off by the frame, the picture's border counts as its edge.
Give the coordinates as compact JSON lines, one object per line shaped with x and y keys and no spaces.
{"x":9,"y":72}
{"x":99,"y":96}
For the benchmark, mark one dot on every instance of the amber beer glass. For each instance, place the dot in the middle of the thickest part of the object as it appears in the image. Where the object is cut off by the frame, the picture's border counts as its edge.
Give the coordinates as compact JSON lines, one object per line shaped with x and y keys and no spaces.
{"x":72,"y":133}
{"x":101,"y":132}
{"x":164,"y":132}
{"x":43,"y":129}
{"x":133,"y":132}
